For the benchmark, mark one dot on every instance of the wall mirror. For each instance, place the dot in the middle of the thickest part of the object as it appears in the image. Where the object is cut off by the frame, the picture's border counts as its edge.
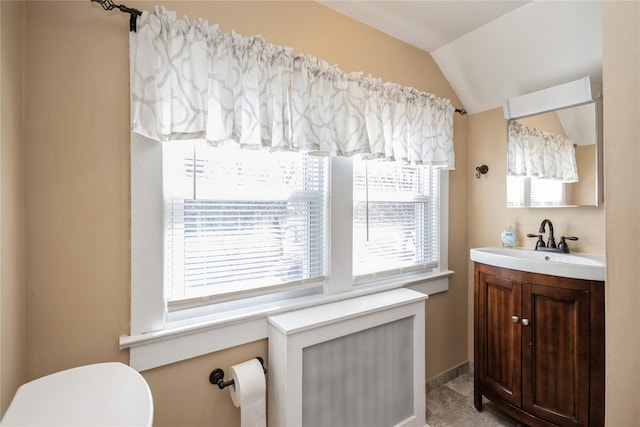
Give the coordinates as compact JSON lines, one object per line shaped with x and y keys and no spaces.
{"x":573,"y":181}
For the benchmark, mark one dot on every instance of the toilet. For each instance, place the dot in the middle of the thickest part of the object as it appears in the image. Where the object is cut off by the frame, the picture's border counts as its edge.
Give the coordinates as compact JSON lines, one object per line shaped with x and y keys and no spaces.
{"x":102,"y":394}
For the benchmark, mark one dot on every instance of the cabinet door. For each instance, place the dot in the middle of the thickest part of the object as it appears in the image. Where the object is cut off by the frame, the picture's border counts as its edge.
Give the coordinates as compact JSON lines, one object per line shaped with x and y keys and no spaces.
{"x":498,"y":305}
{"x":555,"y":354}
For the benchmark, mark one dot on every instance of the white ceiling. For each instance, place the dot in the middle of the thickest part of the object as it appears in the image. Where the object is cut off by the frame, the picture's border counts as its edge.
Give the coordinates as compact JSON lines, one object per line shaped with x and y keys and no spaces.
{"x":489,"y":50}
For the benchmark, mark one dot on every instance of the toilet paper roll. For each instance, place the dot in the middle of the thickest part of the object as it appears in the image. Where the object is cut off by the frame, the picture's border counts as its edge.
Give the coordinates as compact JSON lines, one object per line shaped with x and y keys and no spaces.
{"x":249,"y":393}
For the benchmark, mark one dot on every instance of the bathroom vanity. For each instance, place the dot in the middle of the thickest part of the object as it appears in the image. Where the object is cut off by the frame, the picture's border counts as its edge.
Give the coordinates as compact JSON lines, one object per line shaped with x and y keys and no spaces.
{"x":539,"y":344}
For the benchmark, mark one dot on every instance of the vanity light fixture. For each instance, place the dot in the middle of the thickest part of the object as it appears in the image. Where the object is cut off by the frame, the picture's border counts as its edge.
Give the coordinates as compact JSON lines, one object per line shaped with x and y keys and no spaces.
{"x":565,"y":95}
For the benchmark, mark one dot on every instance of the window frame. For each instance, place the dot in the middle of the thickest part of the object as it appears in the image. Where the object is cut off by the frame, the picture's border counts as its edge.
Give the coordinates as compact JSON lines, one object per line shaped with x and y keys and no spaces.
{"x":159,"y":337}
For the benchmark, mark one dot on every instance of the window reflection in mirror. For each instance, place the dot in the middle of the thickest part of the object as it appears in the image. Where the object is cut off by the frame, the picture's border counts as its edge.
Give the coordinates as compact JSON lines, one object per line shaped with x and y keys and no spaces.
{"x":580,"y":124}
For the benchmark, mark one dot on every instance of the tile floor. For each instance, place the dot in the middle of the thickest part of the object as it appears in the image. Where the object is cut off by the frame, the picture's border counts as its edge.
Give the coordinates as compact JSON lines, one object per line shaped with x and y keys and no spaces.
{"x":452,"y":405}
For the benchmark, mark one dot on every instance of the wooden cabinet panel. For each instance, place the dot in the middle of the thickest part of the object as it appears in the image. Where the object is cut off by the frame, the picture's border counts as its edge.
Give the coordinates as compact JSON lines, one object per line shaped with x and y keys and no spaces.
{"x":499,"y":358}
{"x":556,"y":348}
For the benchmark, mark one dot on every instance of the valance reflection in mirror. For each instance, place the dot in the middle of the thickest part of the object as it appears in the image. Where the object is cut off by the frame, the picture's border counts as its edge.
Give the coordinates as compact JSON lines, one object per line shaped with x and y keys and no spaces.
{"x":553,"y":158}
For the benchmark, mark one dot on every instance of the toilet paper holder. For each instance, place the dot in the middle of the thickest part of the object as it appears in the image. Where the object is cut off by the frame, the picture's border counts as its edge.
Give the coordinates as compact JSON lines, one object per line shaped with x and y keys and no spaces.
{"x":216,"y":377}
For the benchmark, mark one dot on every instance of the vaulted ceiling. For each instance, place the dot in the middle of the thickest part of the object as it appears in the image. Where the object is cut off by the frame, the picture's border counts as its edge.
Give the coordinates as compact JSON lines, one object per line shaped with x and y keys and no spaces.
{"x":489,"y":50}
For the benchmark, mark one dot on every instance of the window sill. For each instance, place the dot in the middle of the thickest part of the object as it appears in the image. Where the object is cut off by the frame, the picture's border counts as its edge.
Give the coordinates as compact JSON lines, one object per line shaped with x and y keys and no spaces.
{"x":181,"y":340}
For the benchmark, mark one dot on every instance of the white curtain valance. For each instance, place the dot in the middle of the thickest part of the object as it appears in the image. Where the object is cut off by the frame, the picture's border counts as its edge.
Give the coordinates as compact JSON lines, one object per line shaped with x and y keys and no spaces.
{"x":536,"y":153}
{"x":191,"y":81}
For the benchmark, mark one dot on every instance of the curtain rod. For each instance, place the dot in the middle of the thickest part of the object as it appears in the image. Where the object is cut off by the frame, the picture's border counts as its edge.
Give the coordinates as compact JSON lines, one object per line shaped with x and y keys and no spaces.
{"x":110,"y":5}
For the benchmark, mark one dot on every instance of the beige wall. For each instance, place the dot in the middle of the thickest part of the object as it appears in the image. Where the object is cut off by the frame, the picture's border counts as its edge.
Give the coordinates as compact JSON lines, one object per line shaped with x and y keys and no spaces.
{"x":548,"y":122}
{"x":621,"y":69}
{"x":12,"y":284}
{"x":77,"y":185}
{"x":583,"y":192}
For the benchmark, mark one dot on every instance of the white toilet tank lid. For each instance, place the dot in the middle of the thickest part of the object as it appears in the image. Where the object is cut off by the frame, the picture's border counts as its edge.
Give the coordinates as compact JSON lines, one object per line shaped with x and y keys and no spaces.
{"x":103,"y":394}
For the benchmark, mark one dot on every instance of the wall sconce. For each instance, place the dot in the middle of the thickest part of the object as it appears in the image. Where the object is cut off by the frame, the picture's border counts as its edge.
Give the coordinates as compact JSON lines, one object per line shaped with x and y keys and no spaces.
{"x":481,"y":170}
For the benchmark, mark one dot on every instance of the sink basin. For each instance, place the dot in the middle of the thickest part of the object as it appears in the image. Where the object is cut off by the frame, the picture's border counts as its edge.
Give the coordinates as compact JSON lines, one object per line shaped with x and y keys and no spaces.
{"x":573,"y":265}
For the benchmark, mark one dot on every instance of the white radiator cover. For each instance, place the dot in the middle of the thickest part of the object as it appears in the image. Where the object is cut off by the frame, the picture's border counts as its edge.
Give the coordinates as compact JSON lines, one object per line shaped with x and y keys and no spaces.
{"x":356,"y":362}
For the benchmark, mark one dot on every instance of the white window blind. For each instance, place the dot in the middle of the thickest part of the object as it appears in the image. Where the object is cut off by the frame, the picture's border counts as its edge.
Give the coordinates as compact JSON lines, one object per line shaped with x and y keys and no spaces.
{"x":241,"y":223}
{"x":547,"y":192}
{"x":396,"y":215}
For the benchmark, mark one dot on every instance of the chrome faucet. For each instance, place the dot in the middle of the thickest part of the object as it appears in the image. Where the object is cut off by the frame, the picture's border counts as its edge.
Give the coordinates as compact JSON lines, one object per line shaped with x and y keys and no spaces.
{"x":550,"y":246}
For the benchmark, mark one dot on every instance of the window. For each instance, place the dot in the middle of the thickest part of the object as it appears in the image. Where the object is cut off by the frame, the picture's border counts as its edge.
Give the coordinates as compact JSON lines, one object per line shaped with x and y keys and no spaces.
{"x":241,"y":222}
{"x":236,"y":224}
{"x":547,"y":192}
{"x":235,"y":254}
{"x":534,"y":192}
{"x":223,"y":238}
{"x":395,"y":218}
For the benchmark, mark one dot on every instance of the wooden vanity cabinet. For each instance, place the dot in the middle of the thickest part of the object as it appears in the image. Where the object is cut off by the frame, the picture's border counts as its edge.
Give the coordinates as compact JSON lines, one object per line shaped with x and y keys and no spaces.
{"x":539,"y":346}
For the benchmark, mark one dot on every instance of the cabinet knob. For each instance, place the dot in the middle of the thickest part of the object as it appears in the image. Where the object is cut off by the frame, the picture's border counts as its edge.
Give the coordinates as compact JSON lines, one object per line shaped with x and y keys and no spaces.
{"x":525,"y":322}
{"x":515,"y":319}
